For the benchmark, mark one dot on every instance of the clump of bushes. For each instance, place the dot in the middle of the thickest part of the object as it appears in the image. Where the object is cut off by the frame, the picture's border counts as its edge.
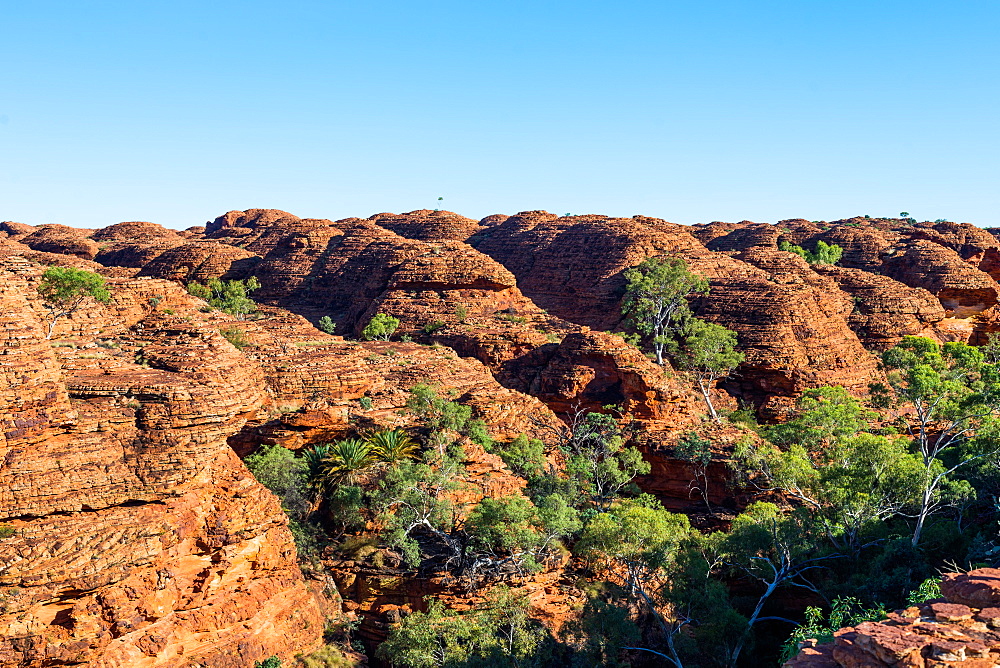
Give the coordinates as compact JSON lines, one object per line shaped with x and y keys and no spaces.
{"x":824,"y":254}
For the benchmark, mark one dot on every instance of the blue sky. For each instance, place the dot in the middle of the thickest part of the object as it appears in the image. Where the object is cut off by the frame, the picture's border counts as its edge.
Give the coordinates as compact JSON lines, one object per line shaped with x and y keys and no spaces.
{"x":689,"y":111}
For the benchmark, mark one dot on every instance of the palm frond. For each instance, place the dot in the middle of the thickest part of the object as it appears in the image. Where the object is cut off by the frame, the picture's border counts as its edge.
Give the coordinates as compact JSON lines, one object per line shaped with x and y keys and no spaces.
{"x":392,"y":446}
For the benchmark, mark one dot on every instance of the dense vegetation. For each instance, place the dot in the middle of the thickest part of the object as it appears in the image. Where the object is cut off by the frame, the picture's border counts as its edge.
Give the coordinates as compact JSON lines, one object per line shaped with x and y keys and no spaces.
{"x":854,"y":505}
{"x":231,"y":297}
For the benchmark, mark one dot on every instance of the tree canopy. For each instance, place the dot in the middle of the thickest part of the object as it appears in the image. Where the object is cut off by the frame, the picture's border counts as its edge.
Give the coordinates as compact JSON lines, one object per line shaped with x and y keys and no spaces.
{"x":656,"y":295}
{"x":231,"y":297}
{"x":64,"y":289}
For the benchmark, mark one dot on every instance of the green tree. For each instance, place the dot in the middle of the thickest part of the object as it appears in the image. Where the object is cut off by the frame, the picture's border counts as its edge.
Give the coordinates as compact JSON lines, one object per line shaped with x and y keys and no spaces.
{"x":850,"y":479}
{"x":231,"y":297}
{"x":944,"y":395}
{"x":413,"y":498}
{"x":599,"y":635}
{"x":823,"y":416}
{"x":441,"y":417}
{"x":499,"y":632}
{"x":598,"y":462}
{"x":380,"y":327}
{"x":524,"y":456}
{"x":503,"y":532}
{"x":635,"y":544}
{"x":326,"y":324}
{"x":287,"y":476}
{"x":709,"y":353}
{"x":697,"y":452}
{"x":775,"y":548}
{"x":64,"y":289}
{"x":656,"y":299}
{"x":824,"y":254}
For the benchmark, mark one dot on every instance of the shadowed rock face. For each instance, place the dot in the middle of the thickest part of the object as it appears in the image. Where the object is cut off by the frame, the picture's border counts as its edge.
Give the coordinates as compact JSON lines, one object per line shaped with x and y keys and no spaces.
{"x":200,"y":261}
{"x":139,"y":538}
{"x":961,"y":630}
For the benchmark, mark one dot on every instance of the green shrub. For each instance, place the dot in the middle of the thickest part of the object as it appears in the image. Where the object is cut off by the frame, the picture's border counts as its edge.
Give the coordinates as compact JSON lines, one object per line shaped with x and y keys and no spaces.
{"x":327,"y":656}
{"x":231,"y":297}
{"x":235,"y":336}
{"x":272,"y":662}
{"x":845,"y":611}
{"x":380,"y":327}
{"x":825,"y":253}
{"x":433,"y":326}
{"x":928,"y":589}
{"x":6,"y":531}
{"x":326,"y":324}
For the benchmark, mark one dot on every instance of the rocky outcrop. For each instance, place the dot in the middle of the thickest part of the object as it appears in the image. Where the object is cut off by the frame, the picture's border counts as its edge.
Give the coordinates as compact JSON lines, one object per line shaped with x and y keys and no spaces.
{"x":137,"y":537}
{"x":134,"y":244}
{"x":428,"y":225}
{"x":15,"y":231}
{"x":572,"y":266}
{"x":962,"y":289}
{"x":200,"y":261}
{"x":61,"y":239}
{"x":589,"y":370}
{"x":885,"y":310}
{"x":240,"y":222}
{"x":794,"y":337}
{"x":961,"y":630}
{"x":791,"y":322}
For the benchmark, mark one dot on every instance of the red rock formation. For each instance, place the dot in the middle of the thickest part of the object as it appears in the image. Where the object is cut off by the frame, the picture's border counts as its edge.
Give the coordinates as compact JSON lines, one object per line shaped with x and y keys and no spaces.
{"x":962,"y":289}
{"x":791,"y":322}
{"x":741,"y":238}
{"x":247,"y":220}
{"x":962,"y":630}
{"x":572,"y":266}
{"x":885,"y":310}
{"x":139,"y":539}
{"x":61,"y":239}
{"x":134,"y":244}
{"x":15,"y":231}
{"x":589,"y":370}
{"x":200,"y":261}
{"x":427,"y":225}
{"x":794,"y":337}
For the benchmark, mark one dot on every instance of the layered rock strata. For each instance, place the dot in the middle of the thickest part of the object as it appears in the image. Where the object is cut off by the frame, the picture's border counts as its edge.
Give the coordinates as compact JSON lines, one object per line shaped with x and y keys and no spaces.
{"x":961,"y":630}
{"x":136,"y":537}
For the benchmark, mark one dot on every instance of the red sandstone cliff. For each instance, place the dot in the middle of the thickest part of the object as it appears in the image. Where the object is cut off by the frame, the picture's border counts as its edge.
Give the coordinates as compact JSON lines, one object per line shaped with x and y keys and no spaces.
{"x":139,"y":539}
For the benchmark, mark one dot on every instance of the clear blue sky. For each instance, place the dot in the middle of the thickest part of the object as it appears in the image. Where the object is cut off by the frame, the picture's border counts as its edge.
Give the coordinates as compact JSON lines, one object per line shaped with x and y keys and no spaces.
{"x":176,"y":112}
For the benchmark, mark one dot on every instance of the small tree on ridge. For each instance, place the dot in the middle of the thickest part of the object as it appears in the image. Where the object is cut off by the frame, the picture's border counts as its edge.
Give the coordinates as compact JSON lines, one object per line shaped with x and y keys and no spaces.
{"x":656,"y":298}
{"x":64,"y":289}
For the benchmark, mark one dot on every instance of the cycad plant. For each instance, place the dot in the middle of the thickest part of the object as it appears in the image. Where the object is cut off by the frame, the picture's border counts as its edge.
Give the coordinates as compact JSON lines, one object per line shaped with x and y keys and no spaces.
{"x":314,"y":458}
{"x":346,"y":460}
{"x":392,"y":446}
